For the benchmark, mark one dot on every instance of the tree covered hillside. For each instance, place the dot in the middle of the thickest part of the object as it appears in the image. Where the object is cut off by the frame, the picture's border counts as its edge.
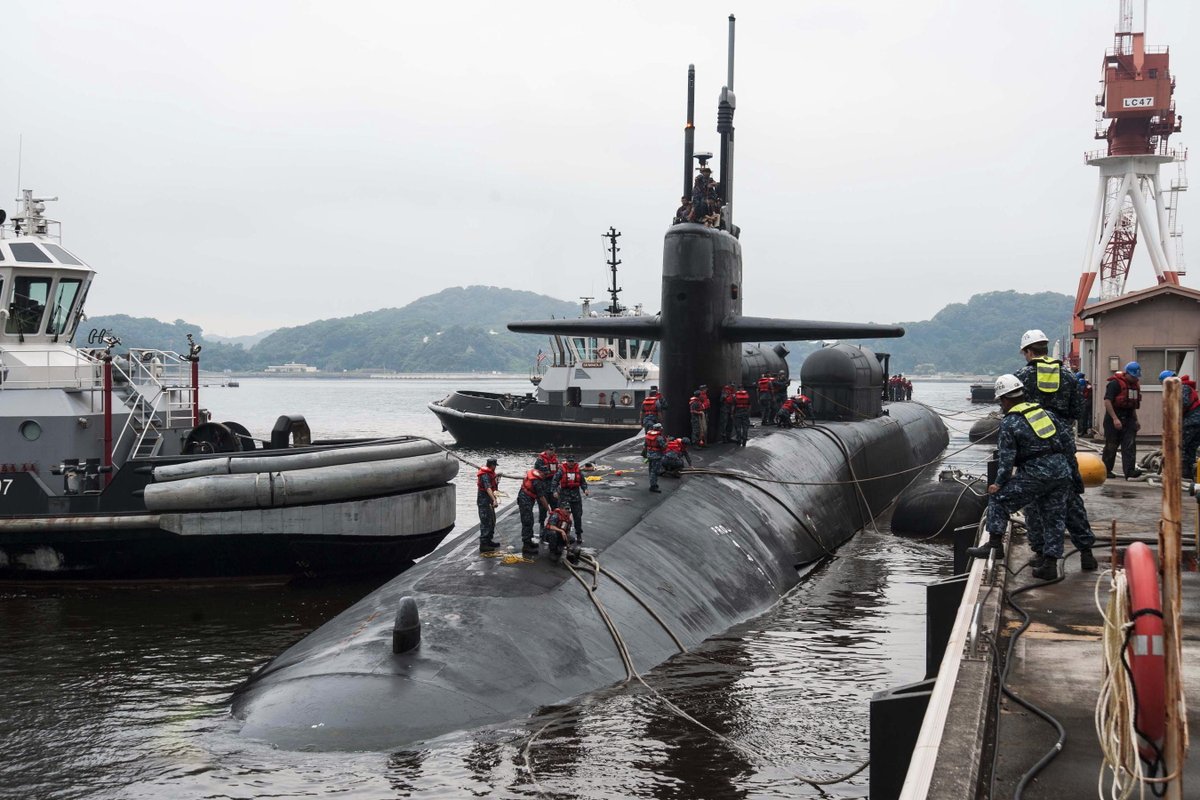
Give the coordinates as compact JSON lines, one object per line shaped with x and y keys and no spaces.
{"x":463,"y":330}
{"x":456,"y":330}
{"x":979,"y":336}
{"x":154,"y":334}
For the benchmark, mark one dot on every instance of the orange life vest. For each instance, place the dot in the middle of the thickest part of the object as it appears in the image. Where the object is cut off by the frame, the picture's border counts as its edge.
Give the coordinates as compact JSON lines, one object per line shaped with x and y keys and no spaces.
{"x":1129,"y":394}
{"x":654,"y":441}
{"x":675,"y":446}
{"x":571,"y":478}
{"x":764,"y":385}
{"x":528,"y":485}
{"x":741,"y":399}
{"x":493,"y":482}
{"x":650,"y":405}
{"x":559,"y":518}
{"x":1195,"y":402}
{"x":696,"y":405}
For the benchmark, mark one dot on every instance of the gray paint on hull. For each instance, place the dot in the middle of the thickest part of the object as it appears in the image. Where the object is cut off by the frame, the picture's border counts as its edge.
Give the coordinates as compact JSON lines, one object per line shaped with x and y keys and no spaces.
{"x":500,"y":641}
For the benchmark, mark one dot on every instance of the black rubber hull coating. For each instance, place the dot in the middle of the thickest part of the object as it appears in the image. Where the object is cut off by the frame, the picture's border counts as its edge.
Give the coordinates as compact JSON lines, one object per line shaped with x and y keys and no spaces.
{"x":499,"y":641}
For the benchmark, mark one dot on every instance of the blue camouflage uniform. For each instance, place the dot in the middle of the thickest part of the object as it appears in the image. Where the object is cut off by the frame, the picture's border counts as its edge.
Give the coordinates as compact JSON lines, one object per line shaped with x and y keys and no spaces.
{"x":486,"y":479}
{"x":1065,"y":401}
{"x":1191,"y":433}
{"x":1043,"y":479}
{"x":1057,"y":390}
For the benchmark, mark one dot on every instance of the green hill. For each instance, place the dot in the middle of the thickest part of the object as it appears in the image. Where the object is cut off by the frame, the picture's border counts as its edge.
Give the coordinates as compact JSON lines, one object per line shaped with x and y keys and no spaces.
{"x":462,"y":329}
{"x":456,"y":330}
{"x":154,"y":334}
{"x":979,"y":336}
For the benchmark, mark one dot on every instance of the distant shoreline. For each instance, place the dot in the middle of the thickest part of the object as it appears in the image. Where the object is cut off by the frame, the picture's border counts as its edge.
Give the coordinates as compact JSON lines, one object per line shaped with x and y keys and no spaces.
{"x":398,"y":376}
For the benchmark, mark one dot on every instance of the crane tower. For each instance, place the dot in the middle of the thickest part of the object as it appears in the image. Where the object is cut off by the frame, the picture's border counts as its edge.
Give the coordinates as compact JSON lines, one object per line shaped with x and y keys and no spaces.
{"x":1136,"y":116}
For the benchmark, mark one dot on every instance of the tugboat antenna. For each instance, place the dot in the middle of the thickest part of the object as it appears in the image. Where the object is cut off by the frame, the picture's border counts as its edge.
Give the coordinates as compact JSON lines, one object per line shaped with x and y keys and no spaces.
{"x":615,"y":307}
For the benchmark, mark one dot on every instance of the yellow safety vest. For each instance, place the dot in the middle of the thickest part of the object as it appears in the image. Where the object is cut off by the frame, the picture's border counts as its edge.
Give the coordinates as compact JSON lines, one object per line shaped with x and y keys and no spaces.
{"x":1039,"y":420}
{"x":1048,"y":371}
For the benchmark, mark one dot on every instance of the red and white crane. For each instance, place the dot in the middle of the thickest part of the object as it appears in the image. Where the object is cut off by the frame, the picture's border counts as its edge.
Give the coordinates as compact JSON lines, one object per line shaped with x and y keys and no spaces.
{"x":1136,"y":116}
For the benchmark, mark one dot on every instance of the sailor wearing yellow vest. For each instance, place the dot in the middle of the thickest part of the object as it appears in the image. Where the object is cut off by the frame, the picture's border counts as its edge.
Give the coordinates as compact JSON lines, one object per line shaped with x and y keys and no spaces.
{"x":1049,"y":384}
{"x":1034,"y":443}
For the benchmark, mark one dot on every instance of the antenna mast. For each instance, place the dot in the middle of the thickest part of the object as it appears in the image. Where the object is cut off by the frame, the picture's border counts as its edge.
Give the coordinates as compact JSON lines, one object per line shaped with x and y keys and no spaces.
{"x":615,"y":307}
{"x":725,"y":108}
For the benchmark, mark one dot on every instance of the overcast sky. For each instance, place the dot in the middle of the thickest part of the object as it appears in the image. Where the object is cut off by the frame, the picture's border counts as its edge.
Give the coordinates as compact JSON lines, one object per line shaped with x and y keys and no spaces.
{"x":248,"y":165}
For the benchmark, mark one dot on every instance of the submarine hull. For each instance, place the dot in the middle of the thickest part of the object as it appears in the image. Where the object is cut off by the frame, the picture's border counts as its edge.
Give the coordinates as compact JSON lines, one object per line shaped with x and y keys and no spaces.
{"x":498,"y":641}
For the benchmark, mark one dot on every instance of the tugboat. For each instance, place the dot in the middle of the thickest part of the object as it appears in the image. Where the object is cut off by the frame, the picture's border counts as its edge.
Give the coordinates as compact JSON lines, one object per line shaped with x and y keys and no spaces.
{"x":111,"y":470}
{"x":590,"y":394}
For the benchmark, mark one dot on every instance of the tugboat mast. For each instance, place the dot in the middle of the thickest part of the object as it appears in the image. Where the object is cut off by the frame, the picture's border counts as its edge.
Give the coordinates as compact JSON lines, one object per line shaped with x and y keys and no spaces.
{"x":614,"y":308}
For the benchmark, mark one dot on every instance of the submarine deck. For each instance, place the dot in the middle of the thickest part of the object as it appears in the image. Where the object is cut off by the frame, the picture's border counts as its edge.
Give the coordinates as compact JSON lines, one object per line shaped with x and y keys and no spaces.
{"x":1058,"y":666}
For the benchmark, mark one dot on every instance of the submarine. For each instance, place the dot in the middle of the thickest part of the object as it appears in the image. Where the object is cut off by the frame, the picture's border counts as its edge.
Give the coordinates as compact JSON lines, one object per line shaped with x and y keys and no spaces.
{"x":461,"y":642}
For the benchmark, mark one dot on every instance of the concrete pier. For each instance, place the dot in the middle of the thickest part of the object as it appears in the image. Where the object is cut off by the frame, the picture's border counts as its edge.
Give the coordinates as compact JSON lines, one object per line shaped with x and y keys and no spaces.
{"x":1057,"y":665}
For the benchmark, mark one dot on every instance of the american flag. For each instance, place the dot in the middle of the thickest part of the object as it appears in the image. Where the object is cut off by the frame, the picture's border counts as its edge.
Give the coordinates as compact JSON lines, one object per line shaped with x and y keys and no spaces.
{"x":540,"y":356}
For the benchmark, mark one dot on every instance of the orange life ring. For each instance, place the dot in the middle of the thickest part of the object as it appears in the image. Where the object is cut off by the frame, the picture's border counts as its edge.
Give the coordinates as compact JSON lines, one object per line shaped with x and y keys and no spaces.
{"x":1147,"y":661}
{"x":626,"y":400}
{"x":603,"y":353}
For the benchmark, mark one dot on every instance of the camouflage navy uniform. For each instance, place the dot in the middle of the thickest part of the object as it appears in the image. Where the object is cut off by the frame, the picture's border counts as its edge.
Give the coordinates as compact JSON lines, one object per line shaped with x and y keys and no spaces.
{"x":486,"y":479}
{"x":572,"y":496}
{"x":1191,"y":434}
{"x":547,"y":464}
{"x":1044,"y":479}
{"x":1066,"y":404}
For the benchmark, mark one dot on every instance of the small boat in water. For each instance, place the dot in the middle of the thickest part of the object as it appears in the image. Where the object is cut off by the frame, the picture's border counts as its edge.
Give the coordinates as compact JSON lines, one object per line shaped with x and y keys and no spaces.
{"x":589,"y":394}
{"x":110,"y":469}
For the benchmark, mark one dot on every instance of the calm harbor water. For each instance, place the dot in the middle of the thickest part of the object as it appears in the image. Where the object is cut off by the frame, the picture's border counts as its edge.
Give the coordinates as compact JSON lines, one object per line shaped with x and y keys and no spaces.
{"x":122,"y":693}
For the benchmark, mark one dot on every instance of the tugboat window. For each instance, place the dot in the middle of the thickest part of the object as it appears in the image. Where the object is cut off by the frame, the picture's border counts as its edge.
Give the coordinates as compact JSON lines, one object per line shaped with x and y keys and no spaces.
{"x":62,"y":255}
{"x":621,"y":348}
{"x":64,"y":299}
{"x":27,"y":305}
{"x":26,"y":251}
{"x":30,"y":430}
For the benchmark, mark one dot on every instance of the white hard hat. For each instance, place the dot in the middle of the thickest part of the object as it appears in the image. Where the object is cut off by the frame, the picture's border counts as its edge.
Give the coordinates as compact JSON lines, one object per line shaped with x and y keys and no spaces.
{"x":1032,"y":337}
{"x":1008,"y":384}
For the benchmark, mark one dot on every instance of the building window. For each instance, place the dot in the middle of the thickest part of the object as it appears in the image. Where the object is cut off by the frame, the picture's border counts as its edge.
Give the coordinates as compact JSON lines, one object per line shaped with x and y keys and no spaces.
{"x":1181,"y":361}
{"x":1154,"y":76}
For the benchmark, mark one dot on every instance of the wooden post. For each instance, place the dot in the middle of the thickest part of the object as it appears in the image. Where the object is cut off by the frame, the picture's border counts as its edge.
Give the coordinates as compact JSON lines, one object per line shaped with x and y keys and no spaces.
{"x":1170,"y":555}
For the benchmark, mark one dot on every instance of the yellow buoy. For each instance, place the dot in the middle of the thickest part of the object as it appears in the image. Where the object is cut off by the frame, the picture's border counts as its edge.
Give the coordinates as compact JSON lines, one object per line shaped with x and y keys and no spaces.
{"x":1091,"y":468}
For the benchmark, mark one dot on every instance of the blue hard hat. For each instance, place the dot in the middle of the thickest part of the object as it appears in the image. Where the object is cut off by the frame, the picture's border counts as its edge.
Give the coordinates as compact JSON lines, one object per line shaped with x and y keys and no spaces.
{"x":1166,"y":373}
{"x":1133,"y":368}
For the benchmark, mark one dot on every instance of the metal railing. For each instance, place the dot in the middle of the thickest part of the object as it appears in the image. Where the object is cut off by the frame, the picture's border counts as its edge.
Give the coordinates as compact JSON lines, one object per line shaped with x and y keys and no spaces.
{"x":82,"y":372}
{"x":1178,"y":154}
{"x":161,"y":394}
